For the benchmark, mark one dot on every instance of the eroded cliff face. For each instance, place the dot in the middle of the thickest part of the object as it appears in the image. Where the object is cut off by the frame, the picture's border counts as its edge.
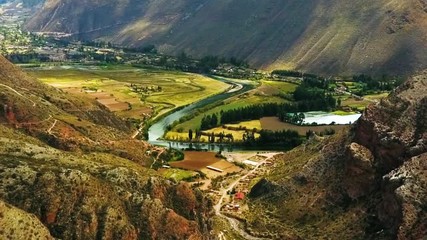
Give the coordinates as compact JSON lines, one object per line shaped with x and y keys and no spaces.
{"x":367,"y":182}
{"x":394,"y":132}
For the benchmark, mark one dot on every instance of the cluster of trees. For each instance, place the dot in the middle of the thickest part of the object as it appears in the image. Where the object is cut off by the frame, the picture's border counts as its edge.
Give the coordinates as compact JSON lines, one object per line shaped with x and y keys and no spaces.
{"x":27,"y":57}
{"x":99,"y":44}
{"x":371,"y":84}
{"x":212,"y":137}
{"x":314,"y":94}
{"x":138,"y":88}
{"x":286,"y":73}
{"x":249,"y":113}
{"x":149,"y":49}
{"x":315,"y":82}
{"x":286,"y":138}
{"x":186,"y":63}
{"x":292,"y":73}
{"x":310,"y":98}
{"x":283,"y":139}
{"x":294,"y":118}
{"x":207,"y":63}
{"x":287,"y":112}
{"x":209,"y":121}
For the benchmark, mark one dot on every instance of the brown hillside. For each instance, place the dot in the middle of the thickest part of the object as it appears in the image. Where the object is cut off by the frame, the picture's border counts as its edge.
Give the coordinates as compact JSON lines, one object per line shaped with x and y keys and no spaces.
{"x":98,"y":188}
{"x":325,"y":36}
{"x":369,"y":183}
{"x":64,"y":121}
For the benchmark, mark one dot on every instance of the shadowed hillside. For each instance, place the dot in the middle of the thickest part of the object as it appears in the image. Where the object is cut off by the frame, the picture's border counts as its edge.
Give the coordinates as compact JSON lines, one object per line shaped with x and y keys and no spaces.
{"x":326,"y":36}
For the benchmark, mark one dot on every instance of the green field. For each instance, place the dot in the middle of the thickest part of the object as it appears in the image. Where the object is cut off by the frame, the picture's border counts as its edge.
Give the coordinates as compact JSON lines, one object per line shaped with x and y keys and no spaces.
{"x":176,"y":174}
{"x":285,"y":87}
{"x":111,"y":86}
{"x":267,"y":92}
{"x":237,"y":134}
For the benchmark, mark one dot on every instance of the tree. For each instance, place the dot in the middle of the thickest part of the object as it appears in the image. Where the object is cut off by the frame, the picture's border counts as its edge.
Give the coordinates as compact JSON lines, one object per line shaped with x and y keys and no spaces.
{"x":190,"y":134}
{"x":183,"y":58}
{"x":212,"y":138}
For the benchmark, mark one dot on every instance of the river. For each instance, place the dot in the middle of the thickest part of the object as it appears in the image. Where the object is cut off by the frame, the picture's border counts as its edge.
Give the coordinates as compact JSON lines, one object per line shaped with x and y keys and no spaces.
{"x":157,"y":130}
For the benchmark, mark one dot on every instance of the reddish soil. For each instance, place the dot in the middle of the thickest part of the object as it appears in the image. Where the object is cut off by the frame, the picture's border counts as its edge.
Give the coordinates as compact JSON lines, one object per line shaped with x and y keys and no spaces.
{"x":107,"y":101}
{"x":274,"y":124}
{"x":196,"y":160}
{"x":117,"y":106}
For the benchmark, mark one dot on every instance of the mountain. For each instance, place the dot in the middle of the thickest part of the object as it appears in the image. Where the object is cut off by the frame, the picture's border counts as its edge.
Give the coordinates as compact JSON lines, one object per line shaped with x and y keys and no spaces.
{"x":325,"y":36}
{"x":368,"y":182}
{"x":69,"y":169}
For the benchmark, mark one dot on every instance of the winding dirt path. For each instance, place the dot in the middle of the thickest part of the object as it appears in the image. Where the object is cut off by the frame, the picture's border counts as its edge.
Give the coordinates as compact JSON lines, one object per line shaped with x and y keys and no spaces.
{"x":18,"y":93}
{"x":51,"y":127}
{"x":234,"y":223}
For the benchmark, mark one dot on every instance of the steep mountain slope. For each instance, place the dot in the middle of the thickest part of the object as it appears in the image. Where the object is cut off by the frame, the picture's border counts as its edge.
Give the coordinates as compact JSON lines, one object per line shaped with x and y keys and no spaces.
{"x":91,"y":191}
{"x":366,"y":183}
{"x":326,"y":36}
{"x":64,"y":121}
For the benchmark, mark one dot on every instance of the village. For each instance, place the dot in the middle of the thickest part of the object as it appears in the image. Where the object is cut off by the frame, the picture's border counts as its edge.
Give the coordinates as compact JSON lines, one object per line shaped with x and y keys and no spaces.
{"x":230,"y":180}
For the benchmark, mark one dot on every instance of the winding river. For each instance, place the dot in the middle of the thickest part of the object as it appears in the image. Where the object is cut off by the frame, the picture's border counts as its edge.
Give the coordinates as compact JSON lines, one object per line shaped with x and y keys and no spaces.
{"x":157,"y":130}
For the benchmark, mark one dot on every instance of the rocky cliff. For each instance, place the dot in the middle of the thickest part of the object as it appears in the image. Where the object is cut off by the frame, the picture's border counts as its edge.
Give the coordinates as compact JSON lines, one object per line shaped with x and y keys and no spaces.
{"x":369,"y":182}
{"x":325,"y":36}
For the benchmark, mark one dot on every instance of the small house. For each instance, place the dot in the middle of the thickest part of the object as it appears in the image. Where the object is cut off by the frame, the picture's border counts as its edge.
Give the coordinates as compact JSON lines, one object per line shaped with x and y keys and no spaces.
{"x":239,"y":196}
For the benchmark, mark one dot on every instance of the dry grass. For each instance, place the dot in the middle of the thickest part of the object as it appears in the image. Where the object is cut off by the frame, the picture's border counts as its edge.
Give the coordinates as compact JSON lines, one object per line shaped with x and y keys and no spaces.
{"x":247,"y":124}
{"x":227,"y":167}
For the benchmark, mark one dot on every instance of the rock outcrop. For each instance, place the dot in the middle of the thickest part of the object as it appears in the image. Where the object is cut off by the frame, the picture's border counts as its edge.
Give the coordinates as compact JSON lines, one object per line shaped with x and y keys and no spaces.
{"x":18,"y":224}
{"x":367,"y":182}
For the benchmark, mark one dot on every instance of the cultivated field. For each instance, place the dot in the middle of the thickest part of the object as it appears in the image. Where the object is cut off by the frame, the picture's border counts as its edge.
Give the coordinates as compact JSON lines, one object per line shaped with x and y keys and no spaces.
{"x":361,"y":104}
{"x":237,"y":134}
{"x":227,"y":167}
{"x":132,"y":92}
{"x":196,"y":160}
{"x":274,"y":124}
{"x":265,"y":93}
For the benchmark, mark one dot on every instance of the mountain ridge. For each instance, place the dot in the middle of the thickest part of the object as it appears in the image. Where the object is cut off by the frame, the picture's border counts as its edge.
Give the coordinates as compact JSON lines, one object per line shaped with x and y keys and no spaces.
{"x":327,"y":37}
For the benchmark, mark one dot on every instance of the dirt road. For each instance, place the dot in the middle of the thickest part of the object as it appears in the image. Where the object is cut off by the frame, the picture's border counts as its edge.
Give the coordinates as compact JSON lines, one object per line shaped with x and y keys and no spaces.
{"x":234,"y":223}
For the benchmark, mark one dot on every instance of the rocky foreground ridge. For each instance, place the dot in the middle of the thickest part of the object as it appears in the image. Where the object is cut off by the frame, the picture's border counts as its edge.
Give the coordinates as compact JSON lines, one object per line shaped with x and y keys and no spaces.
{"x":369,"y":182}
